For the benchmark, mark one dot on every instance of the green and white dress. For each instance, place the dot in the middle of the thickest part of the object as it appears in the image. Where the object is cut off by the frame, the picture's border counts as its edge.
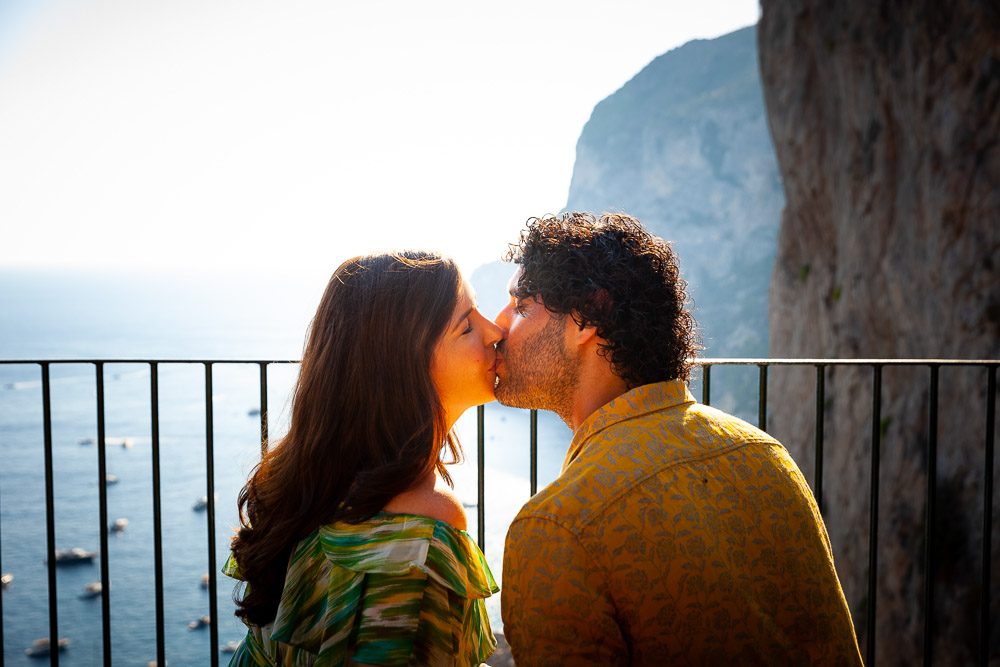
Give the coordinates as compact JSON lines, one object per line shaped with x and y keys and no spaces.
{"x":398,"y":589}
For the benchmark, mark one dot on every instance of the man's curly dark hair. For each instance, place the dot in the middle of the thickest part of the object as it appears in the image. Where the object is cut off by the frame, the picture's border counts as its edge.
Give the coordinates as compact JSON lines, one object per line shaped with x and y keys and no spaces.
{"x":611,"y":273}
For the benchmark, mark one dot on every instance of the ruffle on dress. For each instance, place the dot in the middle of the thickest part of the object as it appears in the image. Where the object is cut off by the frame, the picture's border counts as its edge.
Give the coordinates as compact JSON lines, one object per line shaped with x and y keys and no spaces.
{"x":397,"y":589}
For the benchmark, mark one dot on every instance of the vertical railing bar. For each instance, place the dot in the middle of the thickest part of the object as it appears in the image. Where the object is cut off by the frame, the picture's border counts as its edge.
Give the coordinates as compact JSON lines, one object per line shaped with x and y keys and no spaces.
{"x":534,"y":451}
{"x":154,"y":409}
{"x":873,"y":509}
{"x":263,"y":408}
{"x":820,"y":422}
{"x":706,"y":381}
{"x":1,"y":572}
{"x":102,"y":496}
{"x":932,"y":428}
{"x":762,"y":399}
{"x":985,"y":597}
{"x":50,"y":517}
{"x":210,"y":497}
{"x":481,"y":483}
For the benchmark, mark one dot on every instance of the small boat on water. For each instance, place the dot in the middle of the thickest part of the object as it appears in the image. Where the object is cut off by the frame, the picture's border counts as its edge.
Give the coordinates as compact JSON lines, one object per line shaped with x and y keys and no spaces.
{"x":91,"y":590}
{"x":119,"y":525}
{"x":199,"y":622}
{"x":202,"y":503}
{"x":5,"y":579}
{"x":41,"y":647}
{"x":229,"y":647}
{"x":110,"y":479}
{"x":74,"y":556}
{"x":126,"y":443}
{"x":204,"y":581}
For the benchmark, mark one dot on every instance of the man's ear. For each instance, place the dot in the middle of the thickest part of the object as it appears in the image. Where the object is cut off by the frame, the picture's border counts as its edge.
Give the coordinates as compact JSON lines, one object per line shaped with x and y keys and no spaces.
{"x":581,"y":333}
{"x":584,"y":334}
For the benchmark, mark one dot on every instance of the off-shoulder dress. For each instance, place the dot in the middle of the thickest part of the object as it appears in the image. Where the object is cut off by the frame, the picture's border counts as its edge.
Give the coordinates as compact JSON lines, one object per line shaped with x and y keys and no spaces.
{"x":397,"y":589}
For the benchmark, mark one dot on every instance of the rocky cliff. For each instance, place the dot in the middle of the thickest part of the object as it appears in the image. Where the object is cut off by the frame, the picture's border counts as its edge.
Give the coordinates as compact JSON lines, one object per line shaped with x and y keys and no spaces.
{"x":885,"y":117}
{"x":684,"y":147}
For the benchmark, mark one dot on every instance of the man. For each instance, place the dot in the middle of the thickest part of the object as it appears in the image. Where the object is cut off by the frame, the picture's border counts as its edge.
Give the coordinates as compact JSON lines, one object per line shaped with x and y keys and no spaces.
{"x":675,"y":534}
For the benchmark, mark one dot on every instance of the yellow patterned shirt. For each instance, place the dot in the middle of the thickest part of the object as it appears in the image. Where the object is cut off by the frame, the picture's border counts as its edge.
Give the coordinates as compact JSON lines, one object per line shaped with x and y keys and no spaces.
{"x":675,"y":535}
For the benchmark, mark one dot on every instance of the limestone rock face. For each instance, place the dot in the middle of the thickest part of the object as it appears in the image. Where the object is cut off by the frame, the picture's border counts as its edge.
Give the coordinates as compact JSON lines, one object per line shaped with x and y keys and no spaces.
{"x":886,"y":119}
{"x":684,"y":147}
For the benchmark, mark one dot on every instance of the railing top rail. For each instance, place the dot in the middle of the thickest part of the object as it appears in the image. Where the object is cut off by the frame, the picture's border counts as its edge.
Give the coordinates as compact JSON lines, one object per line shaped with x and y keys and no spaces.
{"x":707,"y":361}
{"x":148,"y":361}
{"x":845,"y":362}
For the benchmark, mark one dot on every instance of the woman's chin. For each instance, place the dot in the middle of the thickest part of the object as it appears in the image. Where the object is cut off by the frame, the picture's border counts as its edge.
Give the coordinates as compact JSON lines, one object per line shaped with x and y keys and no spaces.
{"x":485,"y":397}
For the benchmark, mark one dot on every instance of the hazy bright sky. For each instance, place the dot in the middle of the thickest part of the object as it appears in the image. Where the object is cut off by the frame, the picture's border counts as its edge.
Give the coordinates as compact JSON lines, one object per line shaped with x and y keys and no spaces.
{"x":290,"y":135}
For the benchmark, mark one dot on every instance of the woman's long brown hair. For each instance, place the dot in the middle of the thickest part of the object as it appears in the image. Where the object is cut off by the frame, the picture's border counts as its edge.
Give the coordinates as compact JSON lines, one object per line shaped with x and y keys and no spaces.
{"x":366,"y":421}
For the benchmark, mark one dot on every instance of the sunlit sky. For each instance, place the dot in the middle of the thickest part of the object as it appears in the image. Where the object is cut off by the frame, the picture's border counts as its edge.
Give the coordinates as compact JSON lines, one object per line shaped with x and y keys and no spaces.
{"x":245,"y":134}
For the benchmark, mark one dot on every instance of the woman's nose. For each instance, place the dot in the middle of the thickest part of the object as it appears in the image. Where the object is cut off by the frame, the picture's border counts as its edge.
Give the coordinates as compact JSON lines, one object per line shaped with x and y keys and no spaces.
{"x":502,"y":319}
{"x":494,"y":333}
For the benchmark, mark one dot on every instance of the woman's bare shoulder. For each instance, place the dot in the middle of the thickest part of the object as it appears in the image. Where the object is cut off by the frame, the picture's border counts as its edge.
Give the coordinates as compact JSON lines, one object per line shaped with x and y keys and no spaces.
{"x":432,"y":499}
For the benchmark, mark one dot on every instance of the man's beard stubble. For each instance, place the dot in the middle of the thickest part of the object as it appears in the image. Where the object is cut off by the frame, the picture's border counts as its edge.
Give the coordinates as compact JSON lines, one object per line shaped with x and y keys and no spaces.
{"x":539,"y":373}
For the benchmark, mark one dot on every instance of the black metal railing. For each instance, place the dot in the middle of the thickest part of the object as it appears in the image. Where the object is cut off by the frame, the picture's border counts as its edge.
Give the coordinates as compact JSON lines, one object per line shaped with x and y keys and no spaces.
{"x":707,"y":365}
{"x":877,"y":366}
{"x":154,"y":366}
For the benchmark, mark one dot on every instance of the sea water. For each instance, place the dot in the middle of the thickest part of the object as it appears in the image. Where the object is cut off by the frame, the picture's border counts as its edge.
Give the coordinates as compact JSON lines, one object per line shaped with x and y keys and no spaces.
{"x":51,"y":315}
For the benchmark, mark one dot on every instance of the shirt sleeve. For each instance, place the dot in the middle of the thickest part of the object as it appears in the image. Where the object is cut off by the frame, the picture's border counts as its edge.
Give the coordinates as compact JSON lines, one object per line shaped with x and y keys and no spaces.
{"x":555,"y":602}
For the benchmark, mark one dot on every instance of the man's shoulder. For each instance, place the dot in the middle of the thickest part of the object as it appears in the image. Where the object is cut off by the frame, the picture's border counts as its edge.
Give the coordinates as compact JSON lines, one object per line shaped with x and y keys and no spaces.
{"x":683,"y":419}
{"x":615,"y":460}
{"x":665,"y":437}
{"x":565,"y":504}
{"x":721,"y":425}
{"x":552,"y":503}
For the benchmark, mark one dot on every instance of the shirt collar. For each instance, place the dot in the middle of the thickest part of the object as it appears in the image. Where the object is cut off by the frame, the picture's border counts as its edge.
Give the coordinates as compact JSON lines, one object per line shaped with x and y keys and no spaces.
{"x":633,"y":403}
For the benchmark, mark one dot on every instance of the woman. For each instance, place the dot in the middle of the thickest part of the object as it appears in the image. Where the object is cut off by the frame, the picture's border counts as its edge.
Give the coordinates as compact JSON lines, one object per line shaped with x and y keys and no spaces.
{"x":352,"y":545}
